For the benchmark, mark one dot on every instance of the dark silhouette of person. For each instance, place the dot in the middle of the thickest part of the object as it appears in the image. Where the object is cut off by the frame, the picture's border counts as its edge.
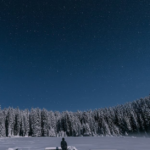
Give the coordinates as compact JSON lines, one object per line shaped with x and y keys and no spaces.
{"x":63,"y":144}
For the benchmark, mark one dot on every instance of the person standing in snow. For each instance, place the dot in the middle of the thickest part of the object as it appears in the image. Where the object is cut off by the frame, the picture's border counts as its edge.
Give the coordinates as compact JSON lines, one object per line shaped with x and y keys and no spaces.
{"x":63,"y":144}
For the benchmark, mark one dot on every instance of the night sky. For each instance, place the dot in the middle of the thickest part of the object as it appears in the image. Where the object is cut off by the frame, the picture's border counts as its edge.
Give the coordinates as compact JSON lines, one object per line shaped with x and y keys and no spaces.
{"x":73,"y":54}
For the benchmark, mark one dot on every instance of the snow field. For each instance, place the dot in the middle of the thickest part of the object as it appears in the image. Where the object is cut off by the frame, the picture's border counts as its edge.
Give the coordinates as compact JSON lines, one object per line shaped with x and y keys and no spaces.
{"x":59,"y":148}
{"x":80,"y":143}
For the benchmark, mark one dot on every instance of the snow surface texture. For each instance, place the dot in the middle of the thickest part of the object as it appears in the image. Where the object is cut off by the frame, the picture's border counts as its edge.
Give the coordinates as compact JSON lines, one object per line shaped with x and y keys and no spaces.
{"x":59,"y":148}
{"x":81,"y":143}
{"x":47,"y":148}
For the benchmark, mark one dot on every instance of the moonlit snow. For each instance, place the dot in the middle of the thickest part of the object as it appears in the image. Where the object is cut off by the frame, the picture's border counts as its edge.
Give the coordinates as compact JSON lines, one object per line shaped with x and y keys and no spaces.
{"x":81,"y":143}
{"x":59,"y":148}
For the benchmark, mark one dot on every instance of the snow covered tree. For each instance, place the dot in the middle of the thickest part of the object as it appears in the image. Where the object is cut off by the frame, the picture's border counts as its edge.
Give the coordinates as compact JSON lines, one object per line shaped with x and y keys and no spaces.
{"x":24,"y":127}
{"x":10,"y":121}
{"x":58,"y":121}
{"x":76,"y":126}
{"x":51,"y":132}
{"x":26,"y":121}
{"x":92,"y":124}
{"x":105,"y":128}
{"x":2,"y":124}
{"x":146,"y":117}
{"x":52,"y":123}
{"x":133,"y":122}
{"x":86,"y":129}
{"x":35,"y":118}
{"x":45,"y":122}
{"x":17,"y":124}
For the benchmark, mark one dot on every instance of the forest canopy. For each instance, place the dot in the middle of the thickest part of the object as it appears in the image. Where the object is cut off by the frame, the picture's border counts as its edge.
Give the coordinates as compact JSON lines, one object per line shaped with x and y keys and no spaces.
{"x":130,"y":118}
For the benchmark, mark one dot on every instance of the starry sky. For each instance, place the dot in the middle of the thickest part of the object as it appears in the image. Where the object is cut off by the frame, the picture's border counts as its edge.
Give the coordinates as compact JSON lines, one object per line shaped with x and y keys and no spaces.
{"x":73,"y":54}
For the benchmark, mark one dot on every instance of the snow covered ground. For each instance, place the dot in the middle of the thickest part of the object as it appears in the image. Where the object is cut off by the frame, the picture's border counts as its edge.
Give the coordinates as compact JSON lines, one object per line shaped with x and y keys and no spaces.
{"x":81,"y":143}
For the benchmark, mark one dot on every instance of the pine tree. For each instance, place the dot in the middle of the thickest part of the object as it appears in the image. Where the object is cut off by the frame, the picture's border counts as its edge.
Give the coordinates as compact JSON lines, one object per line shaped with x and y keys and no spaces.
{"x":86,"y":129}
{"x":17,"y":124}
{"x":52,"y":123}
{"x":45,"y":122}
{"x":10,"y":121}
{"x":58,"y":122}
{"x":76,"y":126}
{"x":2,"y":124}
{"x":22,"y":127}
{"x":26,"y":122}
{"x":35,"y":122}
{"x":146,"y":114}
{"x":134,"y":123}
{"x":52,"y":132}
{"x":92,"y":123}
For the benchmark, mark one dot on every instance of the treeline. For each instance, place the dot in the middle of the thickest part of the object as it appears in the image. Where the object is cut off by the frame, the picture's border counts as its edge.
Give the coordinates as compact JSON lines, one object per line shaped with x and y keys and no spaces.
{"x":120,"y":120}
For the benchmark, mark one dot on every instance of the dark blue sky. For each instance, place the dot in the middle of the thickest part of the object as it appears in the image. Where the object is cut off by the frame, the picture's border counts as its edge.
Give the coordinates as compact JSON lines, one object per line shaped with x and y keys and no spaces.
{"x":73,"y":54}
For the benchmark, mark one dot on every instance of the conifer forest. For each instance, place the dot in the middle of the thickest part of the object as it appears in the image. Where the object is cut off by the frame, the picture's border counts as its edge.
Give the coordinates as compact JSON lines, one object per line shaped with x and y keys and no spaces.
{"x":130,"y":118}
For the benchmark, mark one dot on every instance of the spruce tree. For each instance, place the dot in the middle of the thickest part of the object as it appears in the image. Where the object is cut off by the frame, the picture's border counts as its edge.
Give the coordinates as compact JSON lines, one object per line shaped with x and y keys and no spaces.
{"x":17,"y":124}
{"x":35,"y":122}
{"x":10,"y":121}
{"x":2,"y":124}
{"x":44,"y":122}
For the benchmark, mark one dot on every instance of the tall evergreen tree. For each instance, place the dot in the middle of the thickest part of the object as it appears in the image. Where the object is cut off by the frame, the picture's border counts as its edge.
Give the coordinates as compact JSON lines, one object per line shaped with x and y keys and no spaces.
{"x":45,"y":122}
{"x":35,"y":122}
{"x":10,"y":121}
{"x":2,"y":124}
{"x":17,"y":124}
{"x":26,"y":122}
{"x":52,"y":123}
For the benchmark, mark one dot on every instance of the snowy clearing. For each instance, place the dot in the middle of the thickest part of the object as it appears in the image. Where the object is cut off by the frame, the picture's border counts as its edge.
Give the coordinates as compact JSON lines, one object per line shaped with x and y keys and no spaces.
{"x":81,"y":143}
{"x":59,"y":148}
